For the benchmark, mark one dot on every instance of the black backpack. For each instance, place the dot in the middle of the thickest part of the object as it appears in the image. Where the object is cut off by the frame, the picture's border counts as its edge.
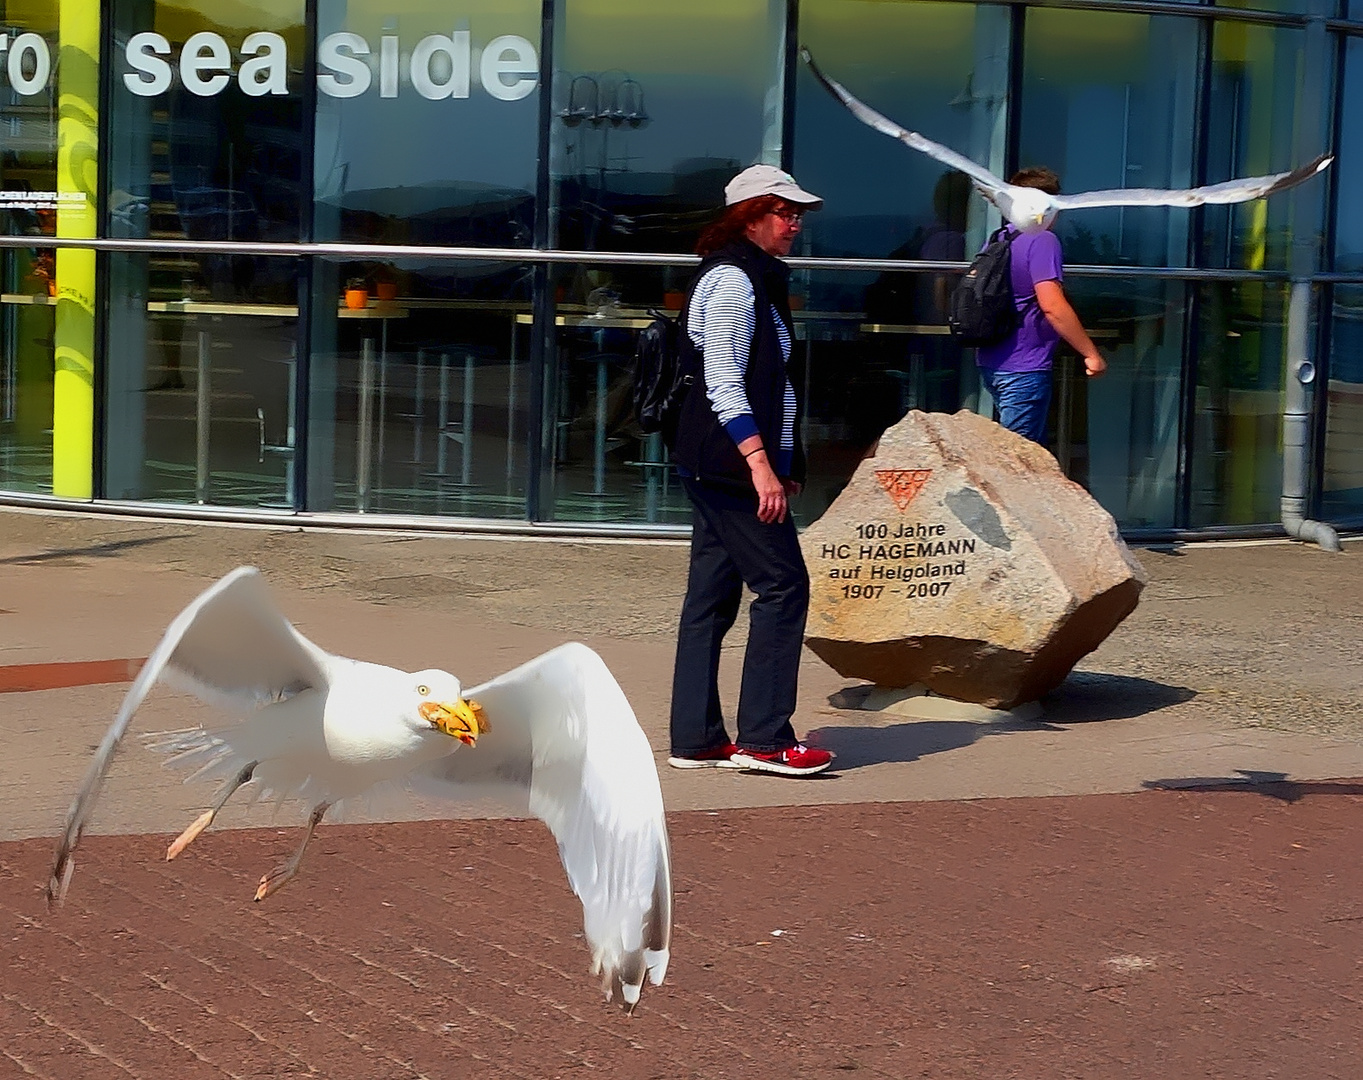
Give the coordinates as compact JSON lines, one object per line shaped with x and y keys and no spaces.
{"x":661,"y":376}
{"x":983,"y":311}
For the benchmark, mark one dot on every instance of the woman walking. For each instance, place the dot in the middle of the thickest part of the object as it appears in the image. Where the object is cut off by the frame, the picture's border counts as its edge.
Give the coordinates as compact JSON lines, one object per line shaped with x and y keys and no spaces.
{"x":740,"y":459}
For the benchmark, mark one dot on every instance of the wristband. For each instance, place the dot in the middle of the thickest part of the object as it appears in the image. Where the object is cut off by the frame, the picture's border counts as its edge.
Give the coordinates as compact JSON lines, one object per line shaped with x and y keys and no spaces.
{"x":750,"y":453}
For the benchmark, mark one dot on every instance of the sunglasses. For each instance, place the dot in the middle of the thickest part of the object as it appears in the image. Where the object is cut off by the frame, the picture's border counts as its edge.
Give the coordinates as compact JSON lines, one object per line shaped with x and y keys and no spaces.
{"x":790,"y":214}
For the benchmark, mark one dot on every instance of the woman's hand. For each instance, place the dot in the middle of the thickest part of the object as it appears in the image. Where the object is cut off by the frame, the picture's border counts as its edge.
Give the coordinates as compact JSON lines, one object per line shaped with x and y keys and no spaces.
{"x":771,"y":492}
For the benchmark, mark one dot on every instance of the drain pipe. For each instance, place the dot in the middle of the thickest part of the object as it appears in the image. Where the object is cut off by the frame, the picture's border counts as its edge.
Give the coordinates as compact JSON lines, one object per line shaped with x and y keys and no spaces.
{"x":1301,"y":375}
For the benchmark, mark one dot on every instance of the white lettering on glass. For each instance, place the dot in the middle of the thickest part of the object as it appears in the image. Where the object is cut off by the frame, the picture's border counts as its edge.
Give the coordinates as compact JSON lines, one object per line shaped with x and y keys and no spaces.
{"x":388,"y":66}
{"x":509,"y":55}
{"x":439,"y":67}
{"x":268,"y":70}
{"x":26,"y":45}
{"x":357,"y":75}
{"x":456,"y":49}
{"x":150,"y":75}
{"x":205,"y":52}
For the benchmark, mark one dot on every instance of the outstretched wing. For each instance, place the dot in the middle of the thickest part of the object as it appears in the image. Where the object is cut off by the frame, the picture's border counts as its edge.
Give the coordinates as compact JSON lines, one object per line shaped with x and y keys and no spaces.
{"x":1231,"y":191}
{"x":987,"y":182}
{"x":564,"y":745}
{"x":232,"y":648}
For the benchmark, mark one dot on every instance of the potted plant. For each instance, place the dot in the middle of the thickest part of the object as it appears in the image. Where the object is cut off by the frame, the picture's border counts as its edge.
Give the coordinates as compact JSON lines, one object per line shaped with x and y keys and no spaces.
{"x":386,"y":285}
{"x":356,"y":294}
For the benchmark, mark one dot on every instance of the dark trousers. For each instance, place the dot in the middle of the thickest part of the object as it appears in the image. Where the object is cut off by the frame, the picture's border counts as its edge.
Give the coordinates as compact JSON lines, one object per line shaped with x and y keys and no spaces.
{"x":730,"y":548}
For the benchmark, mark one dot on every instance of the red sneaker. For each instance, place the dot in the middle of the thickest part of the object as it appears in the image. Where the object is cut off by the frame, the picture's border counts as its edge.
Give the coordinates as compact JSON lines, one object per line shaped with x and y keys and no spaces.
{"x":717,"y":757}
{"x":797,"y":760}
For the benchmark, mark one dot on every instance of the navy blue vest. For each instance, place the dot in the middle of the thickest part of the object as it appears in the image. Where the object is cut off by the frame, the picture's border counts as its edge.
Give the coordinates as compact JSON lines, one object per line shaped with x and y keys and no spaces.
{"x":704,"y":448}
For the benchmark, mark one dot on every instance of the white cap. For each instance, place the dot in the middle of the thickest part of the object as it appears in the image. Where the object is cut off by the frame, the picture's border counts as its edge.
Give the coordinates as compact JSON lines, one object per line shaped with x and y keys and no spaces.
{"x":758,"y":180}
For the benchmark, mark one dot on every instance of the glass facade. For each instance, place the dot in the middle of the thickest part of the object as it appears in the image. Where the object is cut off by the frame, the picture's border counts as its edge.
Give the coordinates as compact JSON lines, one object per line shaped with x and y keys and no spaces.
{"x":364,"y":258}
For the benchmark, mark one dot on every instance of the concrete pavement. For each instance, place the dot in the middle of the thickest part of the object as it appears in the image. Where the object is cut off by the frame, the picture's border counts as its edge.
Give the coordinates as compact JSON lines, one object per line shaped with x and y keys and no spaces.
{"x":1240,"y":660}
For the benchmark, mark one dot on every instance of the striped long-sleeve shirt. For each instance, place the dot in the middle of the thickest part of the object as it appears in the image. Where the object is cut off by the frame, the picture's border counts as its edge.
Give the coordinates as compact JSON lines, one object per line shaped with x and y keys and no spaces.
{"x":721,"y":321}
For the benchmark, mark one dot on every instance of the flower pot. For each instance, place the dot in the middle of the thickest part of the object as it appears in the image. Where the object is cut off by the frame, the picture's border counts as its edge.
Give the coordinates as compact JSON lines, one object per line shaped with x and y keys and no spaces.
{"x":356,"y":299}
{"x":386,"y":290}
{"x":673,"y":300}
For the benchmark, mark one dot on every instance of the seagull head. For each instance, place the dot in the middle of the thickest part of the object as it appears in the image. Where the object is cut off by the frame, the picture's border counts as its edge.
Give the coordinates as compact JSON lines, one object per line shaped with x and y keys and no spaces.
{"x":1031,"y":209}
{"x":440,"y":704}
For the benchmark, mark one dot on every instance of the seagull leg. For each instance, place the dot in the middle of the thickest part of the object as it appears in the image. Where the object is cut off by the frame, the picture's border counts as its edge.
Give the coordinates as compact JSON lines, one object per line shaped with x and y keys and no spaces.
{"x":285,"y":872}
{"x":206,"y":818}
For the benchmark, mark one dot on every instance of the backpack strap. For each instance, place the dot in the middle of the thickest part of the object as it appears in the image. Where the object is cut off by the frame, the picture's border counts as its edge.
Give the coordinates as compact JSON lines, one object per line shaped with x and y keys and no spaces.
{"x":1010,"y":236}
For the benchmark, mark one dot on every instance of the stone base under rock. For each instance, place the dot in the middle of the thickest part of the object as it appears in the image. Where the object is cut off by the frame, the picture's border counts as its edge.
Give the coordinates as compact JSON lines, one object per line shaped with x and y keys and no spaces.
{"x":920,"y":703}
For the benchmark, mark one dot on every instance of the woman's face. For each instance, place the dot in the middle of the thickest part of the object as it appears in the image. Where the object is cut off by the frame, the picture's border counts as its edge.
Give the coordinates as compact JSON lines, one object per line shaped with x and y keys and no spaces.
{"x":774,"y":233}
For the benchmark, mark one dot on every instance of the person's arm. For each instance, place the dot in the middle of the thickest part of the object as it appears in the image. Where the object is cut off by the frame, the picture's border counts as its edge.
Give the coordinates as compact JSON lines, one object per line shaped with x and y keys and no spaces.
{"x":1050,"y":297}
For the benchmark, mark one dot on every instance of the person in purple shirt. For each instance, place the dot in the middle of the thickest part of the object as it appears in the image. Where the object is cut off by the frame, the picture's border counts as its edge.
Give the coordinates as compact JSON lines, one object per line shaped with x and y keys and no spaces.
{"x":1017,"y":370}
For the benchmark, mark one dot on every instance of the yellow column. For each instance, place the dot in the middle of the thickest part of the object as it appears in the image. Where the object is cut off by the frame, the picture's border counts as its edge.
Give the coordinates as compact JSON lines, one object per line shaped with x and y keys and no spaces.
{"x":73,"y":406}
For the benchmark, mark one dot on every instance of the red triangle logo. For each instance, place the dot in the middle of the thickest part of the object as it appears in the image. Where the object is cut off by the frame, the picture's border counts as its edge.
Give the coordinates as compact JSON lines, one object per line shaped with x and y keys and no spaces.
{"x":902,"y":485}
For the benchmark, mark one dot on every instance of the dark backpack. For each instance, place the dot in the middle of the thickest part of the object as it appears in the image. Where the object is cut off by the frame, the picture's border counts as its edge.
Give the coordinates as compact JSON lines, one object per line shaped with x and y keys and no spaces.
{"x":983,"y":311}
{"x":661,"y":376}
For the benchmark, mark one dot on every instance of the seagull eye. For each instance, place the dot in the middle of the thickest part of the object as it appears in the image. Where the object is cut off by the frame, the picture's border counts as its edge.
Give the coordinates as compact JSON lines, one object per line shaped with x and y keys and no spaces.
{"x":423,"y":690}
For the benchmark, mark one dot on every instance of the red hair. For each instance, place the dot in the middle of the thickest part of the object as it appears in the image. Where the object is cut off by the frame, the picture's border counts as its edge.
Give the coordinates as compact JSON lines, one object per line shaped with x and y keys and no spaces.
{"x":734,"y":222}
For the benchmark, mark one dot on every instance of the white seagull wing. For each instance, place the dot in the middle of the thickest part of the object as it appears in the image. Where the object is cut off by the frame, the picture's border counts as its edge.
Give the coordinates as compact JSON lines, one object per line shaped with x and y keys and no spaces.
{"x":564,"y":744}
{"x":987,"y":182}
{"x":1231,"y":191}
{"x":232,"y":648}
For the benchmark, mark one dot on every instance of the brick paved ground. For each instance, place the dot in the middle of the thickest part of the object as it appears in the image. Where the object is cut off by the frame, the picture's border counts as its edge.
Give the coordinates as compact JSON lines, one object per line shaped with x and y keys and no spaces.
{"x":1177,"y":934}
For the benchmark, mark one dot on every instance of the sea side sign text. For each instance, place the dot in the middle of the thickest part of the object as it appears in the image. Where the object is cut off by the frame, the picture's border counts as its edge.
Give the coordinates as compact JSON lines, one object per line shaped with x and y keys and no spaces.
{"x":438,"y":66}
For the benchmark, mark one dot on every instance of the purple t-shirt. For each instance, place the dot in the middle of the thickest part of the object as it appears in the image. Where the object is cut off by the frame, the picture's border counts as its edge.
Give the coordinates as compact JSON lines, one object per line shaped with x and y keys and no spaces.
{"x":1036,"y":257}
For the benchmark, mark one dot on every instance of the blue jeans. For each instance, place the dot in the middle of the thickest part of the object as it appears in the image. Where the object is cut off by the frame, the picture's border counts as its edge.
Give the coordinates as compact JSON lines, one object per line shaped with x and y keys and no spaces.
{"x":1023,"y":399}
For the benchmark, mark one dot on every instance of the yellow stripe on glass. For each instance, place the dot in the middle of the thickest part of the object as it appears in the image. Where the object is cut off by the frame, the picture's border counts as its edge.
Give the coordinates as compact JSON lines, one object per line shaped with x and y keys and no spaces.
{"x":73,"y":406}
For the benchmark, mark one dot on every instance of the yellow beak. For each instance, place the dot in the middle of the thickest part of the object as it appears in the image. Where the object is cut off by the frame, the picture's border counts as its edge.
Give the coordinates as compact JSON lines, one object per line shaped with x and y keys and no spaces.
{"x":462,"y":720}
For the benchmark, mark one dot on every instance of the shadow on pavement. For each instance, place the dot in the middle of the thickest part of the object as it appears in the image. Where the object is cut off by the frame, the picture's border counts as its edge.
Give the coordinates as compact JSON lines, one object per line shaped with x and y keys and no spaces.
{"x":1087,"y":696}
{"x":112,"y":547}
{"x":860,"y":746}
{"x":1273,"y":785}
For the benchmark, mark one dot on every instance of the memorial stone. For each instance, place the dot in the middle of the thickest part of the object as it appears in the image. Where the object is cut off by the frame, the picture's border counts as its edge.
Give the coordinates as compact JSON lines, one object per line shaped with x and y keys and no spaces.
{"x":961,"y":559}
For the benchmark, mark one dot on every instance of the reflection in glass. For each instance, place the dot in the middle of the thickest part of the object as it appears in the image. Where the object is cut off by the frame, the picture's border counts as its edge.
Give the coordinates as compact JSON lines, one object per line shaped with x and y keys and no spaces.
{"x":855,"y":377}
{"x":201,"y":385}
{"x":1257,"y":72}
{"x":1348,"y":166}
{"x":868,"y":348}
{"x":206,"y":402}
{"x":656,"y":107}
{"x":598,"y":465}
{"x":1342,"y":486}
{"x":1118,"y":434}
{"x":1237,"y":424}
{"x":28,"y":168}
{"x":1321,"y":8}
{"x":419,"y":396}
{"x":426,"y":122}
{"x":941,"y":69}
{"x":1109,"y":101}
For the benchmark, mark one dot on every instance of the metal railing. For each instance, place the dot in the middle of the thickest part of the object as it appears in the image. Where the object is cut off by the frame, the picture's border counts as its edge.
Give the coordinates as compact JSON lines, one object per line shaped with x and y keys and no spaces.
{"x":382,"y":252}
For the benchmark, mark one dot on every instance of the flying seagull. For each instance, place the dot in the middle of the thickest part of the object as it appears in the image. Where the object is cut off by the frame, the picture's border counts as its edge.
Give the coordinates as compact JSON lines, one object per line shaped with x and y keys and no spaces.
{"x":1032,"y":210}
{"x":555,"y":738}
